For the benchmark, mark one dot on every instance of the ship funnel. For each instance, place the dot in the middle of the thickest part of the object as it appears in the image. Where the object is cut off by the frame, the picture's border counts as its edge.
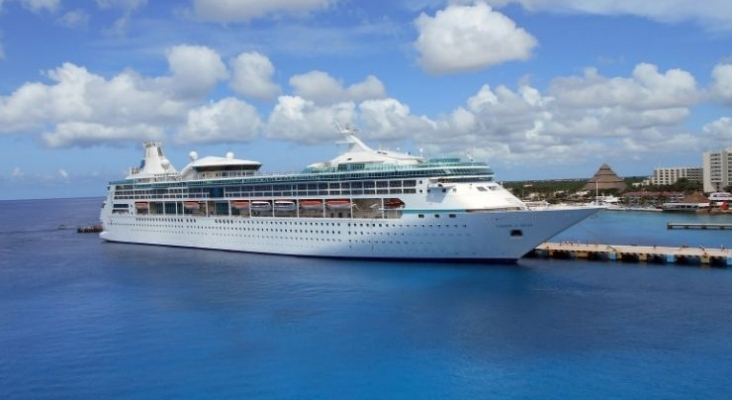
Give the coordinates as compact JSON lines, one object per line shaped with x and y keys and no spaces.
{"x":154,"y":162}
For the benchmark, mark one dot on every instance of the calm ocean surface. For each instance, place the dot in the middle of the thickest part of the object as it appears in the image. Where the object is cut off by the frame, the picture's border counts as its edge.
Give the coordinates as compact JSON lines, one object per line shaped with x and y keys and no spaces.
{"x":83,"y":319}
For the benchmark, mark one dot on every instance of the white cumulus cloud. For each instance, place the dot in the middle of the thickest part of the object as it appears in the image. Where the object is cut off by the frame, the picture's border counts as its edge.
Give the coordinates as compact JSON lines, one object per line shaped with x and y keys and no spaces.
{"x":252,"y":76}
{"x":576,"y":115}
{"x":647,"y":88}
{"x":77,"y":107}
{"x":721,"y":86}
{"x":462,"y":38}
{"x":297,"y":119}
{"x":719,"y":132}
{"x":195,"y":70}
{"x":78,"y":95}
{"x":389,"y":119}
{"x":227,"y":120}
{"x":323,"y":89}
{"x":89,"y":134}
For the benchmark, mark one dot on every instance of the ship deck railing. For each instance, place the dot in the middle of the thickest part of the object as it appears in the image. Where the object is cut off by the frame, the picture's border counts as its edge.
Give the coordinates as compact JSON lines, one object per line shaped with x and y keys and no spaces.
{"x":384,"y":172}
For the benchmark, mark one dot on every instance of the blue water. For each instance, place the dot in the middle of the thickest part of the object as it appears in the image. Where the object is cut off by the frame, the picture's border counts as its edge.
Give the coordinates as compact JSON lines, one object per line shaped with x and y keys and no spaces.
{"x":83,"y":319}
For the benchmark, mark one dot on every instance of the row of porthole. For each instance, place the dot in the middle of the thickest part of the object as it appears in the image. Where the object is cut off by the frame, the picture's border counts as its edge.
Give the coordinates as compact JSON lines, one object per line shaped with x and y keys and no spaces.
{"x":284,"y":231}
{"x":157,"y":219}
{"x":232,"y":228}
{"x":256,"y":221}
{"x":381,"y":225}
{"x":267,"y":229}
{"x":315,"y":239}
{"x":260,"y":222}
{"x":306,"y":238}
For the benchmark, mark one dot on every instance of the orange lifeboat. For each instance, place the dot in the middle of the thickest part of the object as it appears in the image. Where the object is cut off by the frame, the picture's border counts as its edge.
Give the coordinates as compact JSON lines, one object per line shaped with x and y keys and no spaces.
{"x":339,"y":204}
{"x":311,"y":204}
{"x":191,"y":205}
{"x":240,"y":204}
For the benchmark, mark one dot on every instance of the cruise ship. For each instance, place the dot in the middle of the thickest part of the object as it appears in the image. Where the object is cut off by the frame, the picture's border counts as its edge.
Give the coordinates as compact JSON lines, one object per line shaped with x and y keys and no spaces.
{"x":365,"y":204}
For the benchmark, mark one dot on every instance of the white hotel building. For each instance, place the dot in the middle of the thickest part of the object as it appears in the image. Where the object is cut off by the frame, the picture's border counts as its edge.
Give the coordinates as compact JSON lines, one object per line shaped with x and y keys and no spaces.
{"x":669,"y":176}
{"x":717,"y":170}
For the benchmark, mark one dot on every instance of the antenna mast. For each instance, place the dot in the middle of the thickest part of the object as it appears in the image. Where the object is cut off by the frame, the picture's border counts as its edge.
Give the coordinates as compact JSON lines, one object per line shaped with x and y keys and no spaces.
{"x":347,"y":130}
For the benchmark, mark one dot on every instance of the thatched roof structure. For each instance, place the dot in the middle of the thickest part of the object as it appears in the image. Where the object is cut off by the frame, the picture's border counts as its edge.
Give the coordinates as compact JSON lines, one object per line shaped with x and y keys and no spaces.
{"x":605,"y":179}
{"x":696,"y":197}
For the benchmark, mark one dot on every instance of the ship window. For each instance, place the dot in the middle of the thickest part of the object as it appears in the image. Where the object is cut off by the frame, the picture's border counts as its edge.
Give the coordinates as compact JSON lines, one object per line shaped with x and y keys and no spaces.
{"x":516,"y":233}
{"x":421,"y":215}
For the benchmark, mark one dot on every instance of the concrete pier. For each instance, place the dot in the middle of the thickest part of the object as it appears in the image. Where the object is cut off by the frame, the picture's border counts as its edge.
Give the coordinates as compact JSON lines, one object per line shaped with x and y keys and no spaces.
{"x":684,"y":255}
{"x":692,"y":225}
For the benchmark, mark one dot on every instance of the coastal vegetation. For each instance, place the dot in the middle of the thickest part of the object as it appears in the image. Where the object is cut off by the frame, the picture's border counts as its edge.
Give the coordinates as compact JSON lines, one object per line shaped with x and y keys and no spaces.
{"x":568,"y":190}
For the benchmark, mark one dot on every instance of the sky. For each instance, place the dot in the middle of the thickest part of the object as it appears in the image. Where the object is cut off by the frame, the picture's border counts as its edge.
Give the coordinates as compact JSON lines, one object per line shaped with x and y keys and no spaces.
{"x":538,"y":89}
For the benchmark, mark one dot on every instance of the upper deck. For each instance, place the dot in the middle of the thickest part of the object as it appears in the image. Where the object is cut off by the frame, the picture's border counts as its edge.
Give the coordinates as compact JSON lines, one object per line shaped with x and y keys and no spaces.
{"x":359,"y":162}
{"x":445,"y":172}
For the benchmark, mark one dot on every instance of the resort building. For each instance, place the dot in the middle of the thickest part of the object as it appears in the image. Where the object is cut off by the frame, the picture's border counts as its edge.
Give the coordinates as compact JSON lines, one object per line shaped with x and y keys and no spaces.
{"x":669,"y":176}
{"x":717,"y":170}
{"x":645,"y":197}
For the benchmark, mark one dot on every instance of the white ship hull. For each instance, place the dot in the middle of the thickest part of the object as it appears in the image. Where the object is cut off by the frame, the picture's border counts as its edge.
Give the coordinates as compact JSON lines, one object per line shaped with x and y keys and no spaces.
{"x":477,"y":236}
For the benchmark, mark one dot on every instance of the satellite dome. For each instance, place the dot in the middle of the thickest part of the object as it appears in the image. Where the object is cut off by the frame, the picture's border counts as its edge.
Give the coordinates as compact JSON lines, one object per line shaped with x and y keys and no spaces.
{"x":229,"y":155}
{"x":165,"y":163}
{"x":193,"y":155}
